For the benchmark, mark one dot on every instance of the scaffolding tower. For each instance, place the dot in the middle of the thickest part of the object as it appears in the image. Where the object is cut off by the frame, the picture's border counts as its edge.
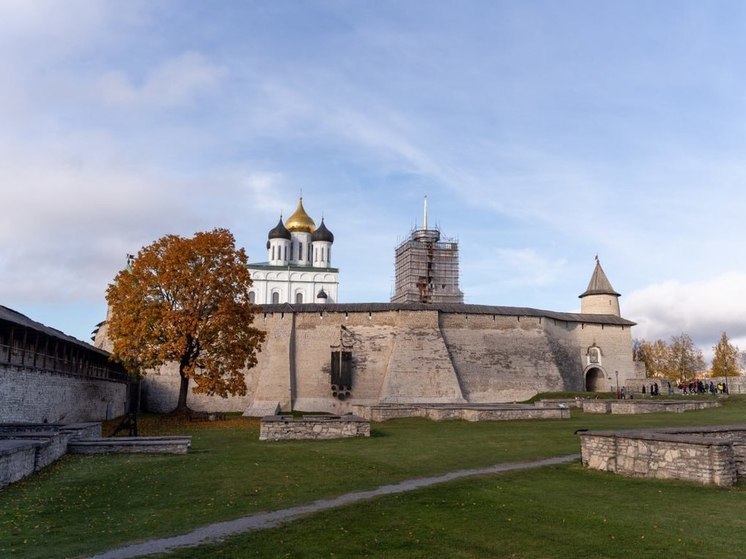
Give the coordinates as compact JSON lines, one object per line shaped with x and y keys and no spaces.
{"x":427,"y":269}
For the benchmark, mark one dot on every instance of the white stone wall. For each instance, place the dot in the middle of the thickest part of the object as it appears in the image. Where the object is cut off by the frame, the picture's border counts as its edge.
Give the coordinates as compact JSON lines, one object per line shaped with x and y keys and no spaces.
{"x":289,"y":282}
{"x":37,"y":397}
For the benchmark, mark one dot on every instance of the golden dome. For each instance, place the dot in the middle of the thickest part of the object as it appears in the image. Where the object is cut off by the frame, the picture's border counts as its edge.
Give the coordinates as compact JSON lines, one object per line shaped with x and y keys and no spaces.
{"x":300,"y":221}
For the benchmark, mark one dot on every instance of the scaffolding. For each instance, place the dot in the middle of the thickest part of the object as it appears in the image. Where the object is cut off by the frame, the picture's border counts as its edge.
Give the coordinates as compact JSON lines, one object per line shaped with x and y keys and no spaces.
{"x":427,"y":269}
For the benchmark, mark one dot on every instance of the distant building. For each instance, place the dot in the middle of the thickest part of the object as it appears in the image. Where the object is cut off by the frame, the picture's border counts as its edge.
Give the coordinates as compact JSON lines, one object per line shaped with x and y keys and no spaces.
{"x":298,"y":268}
{"x":427,"y":269}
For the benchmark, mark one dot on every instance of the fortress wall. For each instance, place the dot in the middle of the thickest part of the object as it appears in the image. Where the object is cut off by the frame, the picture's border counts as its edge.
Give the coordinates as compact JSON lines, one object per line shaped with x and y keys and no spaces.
{"x":268,"y":380}
{"x":408,"y":356}
{"x":508,"y":358}
{"x":39,"y":396}
{"x":420,"y":368}
{"x":398,"y":356}
{"x":371,"y":336}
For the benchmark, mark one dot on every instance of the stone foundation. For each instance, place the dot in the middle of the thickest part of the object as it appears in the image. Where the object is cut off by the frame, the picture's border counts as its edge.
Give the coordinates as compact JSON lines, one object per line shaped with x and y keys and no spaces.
{"x":708,"y":455}
{"x":132,"y":445}
{"x":280,"y":428}
{"x":473,"y":412}
{"x":631,"y":407}
{"x":26,"y":448}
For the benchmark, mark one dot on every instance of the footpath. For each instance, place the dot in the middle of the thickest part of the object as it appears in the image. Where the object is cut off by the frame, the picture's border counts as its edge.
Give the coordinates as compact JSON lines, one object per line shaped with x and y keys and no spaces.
{"x":260,"y":521}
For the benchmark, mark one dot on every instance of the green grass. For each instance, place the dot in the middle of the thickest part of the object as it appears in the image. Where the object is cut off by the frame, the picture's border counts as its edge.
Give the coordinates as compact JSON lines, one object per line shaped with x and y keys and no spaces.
{"x":555,"y":512}
{"x":229,"y":473}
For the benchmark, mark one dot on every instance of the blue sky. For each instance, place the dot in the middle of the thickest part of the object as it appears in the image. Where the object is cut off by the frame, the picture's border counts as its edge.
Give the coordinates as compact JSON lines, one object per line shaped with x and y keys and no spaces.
{"x":543,"y":133}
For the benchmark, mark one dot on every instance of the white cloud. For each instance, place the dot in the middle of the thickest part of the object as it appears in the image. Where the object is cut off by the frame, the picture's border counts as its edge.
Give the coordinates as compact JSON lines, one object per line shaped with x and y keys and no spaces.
{"x":172,"y":83}
{"x":702,"y":309}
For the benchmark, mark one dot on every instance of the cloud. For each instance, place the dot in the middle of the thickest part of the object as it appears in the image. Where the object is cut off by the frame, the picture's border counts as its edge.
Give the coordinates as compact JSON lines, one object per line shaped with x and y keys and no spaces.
{"x":173,"y":83}
{"x":703,"y":309}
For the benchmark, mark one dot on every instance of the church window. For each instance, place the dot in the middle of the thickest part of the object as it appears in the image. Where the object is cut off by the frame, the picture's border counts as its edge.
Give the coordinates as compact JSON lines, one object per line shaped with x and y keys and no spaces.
{"x":275,"y":297}
{"x":299,"y":298}
{"x":286,"y":252}
{"x":252,"y":297}
{"x":308,"y":256}
{"x":273,"y":252}
{"x":300,"y":251}
{"x":292,"y":247}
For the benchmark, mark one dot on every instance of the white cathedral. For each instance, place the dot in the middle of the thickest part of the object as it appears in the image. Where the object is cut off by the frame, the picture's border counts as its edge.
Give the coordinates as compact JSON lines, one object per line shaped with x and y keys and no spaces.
{"x":299,"y":264}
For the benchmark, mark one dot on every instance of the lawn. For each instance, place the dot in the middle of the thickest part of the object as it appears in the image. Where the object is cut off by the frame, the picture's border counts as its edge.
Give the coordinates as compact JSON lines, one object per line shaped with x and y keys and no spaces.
{"x":112,"y":500}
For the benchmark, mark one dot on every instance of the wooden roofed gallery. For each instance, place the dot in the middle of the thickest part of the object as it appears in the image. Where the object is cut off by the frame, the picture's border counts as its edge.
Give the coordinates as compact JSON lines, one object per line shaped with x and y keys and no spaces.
{"x":29,"y":344}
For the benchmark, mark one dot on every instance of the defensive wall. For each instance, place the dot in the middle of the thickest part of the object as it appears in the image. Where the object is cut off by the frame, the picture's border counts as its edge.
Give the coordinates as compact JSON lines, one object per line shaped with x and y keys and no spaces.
{"x":49,"y":377}
{"x":415,"y":353}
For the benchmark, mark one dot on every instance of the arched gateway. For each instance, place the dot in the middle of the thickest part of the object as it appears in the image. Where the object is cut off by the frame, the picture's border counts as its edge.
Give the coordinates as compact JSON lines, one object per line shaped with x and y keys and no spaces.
{"x":594,"y":380}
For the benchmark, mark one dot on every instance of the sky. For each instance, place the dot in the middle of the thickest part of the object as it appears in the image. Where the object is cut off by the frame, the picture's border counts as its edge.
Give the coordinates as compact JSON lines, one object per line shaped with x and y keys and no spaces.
{"x":544,"y":133}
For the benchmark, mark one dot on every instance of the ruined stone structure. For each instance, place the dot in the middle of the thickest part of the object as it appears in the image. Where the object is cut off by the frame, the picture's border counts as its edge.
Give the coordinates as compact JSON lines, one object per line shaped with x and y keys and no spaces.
{"x":466,"y":412}
{"x":47,"y":376}
{"x":320,"y":427}
{"x":715,"y":455}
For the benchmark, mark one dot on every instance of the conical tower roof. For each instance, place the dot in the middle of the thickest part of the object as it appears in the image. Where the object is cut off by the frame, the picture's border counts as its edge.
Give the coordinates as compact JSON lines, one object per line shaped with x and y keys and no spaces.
{"x":300,"y":221}
{"x":599,"y":284}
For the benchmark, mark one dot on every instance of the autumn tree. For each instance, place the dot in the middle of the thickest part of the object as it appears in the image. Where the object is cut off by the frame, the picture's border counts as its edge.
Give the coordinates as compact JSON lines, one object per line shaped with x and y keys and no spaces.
{"x":655,"y":355}
{"x":685,"y":358}
{"x":726,"y":358}
{"x":186,"y":300}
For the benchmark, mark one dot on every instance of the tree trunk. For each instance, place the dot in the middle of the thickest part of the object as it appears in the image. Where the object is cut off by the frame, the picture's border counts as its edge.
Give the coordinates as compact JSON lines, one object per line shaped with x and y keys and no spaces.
{"x":181,"y":406}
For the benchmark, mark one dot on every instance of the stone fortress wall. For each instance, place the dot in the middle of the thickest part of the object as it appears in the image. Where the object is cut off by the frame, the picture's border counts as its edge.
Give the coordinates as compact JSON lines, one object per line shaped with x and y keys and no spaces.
{"x":38,"y":396}
{"x":409,"y":353}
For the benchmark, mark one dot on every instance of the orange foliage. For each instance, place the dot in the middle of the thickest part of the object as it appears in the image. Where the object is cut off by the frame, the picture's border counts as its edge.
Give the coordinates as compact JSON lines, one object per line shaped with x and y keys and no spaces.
{"x":186,"y":300}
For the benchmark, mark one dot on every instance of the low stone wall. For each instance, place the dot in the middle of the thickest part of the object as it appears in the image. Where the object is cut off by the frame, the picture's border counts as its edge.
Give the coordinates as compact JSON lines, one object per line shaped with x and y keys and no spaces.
{"x":132,"y":445}
{"x":631,"y":407}
{"x":467,"y":412}
{"x":50,"y":445}
{"x":553,"y":403}
{"x":280,"y":428}
{"x":26,"y":448}
{"x":597,"y":406}
{"x":17,"y":460}
{"x":711,"y":455}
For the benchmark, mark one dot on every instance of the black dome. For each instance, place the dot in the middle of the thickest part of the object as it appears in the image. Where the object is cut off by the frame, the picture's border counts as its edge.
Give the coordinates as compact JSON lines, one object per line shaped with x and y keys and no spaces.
{"x":322,"y":294}
{"x":279,"y":232}
{"x":322,"y":234}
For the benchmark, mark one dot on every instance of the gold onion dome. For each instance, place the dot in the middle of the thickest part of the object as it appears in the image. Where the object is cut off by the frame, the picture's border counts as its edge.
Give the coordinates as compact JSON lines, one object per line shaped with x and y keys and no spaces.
{"x":300,"y":221}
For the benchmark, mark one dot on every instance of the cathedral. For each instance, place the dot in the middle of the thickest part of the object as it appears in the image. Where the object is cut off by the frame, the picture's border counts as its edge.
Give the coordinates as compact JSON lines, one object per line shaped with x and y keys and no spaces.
{"x":299,"y":263}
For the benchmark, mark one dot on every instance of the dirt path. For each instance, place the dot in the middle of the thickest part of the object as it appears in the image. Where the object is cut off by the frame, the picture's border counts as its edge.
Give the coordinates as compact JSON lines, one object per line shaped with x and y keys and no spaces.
{"x":260,"y":521}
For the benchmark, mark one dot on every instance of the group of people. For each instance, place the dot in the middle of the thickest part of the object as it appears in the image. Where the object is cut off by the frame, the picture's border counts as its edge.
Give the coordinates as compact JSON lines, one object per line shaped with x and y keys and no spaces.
{"x":623,"y":393}
{"x":693,"y":387}
{"x":701,"y":387}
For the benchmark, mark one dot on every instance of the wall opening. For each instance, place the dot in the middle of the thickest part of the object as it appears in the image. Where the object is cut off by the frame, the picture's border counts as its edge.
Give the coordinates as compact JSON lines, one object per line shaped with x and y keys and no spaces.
{"x":594,"y":380}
